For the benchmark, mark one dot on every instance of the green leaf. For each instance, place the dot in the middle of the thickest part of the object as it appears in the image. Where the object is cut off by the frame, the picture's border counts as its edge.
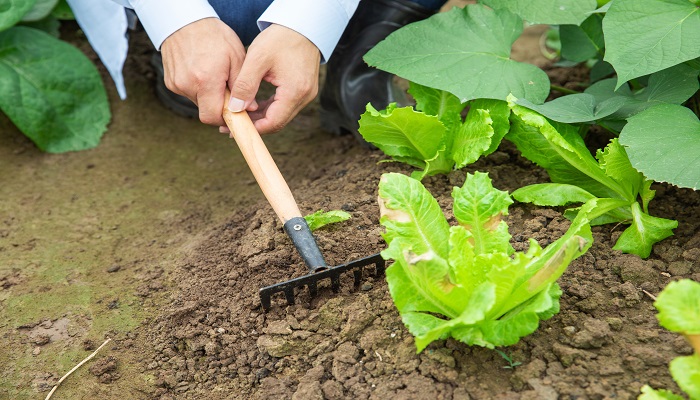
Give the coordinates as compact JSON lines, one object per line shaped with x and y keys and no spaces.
{"x":499,"y":112}
{"x":473,"y":138}
{"x":673,"y":85}
{"x":645,"y":36}
{"x":403,"y":133}
{"x":480,"y":208}
{"x":465,"y":52}
{"x":12,"y":11}
{"x":679,"y":307}
{"x":686,"y":373}
{"x":552,"y":12}
{"x":644,"y":231}
{"x":664,"y":151}
{"x":461,"y":281}
{"x":560,"y":150}
{"x":576,"y":108}
{"x":581,"y":43}
{"x":51,"y":91}
{"x":439,"y":103}
{"x":662,"y":394}
{"x":322,"y":218}
{"x":552,"y":194}
{"x":613,"y":159}
{"x":41,"y":10}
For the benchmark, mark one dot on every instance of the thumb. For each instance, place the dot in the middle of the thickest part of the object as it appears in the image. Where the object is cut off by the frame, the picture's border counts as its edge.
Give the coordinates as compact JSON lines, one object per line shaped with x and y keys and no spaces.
{"x":245,"y":86}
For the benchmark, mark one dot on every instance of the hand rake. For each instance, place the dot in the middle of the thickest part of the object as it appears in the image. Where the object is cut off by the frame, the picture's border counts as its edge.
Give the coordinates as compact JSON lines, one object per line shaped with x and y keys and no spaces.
{"x":278,"y":194}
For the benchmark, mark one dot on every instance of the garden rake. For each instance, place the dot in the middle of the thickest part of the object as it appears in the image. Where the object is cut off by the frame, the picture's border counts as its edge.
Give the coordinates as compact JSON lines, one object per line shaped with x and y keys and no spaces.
{"x":278,"y":194}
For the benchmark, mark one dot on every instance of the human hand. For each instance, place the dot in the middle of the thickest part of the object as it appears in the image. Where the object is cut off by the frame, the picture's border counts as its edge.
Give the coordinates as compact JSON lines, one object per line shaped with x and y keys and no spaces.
{"x":289,"y":61}
{"x":199,"y":59}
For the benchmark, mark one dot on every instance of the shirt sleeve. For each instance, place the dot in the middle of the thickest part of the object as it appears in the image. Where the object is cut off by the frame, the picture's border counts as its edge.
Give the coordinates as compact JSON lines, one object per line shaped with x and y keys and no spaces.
{"x":160,"y":20}
{"x":322,"y":22}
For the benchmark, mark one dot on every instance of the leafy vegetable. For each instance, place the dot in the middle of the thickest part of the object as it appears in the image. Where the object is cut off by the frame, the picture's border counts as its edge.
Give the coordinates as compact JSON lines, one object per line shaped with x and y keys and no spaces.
{"x":49,"y":89}
{"x":679,"y":311}
{"x":578,"y":177}
{"x":321,"y":218}
{"x":465,"y":52}
{"x":466,"y":281}
{"x":434,"y":138}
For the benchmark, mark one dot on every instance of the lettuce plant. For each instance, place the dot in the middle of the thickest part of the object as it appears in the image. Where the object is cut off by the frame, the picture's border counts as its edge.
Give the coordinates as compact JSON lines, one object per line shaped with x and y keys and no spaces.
{"x":49,"y":89}
{"x":679,"y":311}
{"x":466,"y":281}
{"x":623,"y":193}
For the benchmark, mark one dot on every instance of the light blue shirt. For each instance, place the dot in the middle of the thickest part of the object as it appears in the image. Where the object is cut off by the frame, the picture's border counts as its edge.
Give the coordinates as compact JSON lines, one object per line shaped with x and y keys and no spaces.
{"x":104,"y":23}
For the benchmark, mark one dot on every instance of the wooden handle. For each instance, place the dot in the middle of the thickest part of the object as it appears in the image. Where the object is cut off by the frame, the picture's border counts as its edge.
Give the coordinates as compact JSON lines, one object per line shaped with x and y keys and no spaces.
{"x":266,"y":173}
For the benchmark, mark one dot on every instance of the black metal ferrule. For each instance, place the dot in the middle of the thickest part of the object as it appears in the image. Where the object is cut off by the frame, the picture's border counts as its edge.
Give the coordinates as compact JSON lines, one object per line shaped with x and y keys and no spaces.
{"x":298,"y":230}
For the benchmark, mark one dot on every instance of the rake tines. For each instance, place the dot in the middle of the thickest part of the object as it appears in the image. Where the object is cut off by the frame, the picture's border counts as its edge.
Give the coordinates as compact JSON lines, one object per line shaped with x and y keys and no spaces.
{"x":312,"y":279}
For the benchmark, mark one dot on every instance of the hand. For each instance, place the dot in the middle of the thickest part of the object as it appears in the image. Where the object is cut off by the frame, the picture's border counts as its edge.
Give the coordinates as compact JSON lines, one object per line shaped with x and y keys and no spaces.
{"x":199,"y":59}
{"x":289,"y":61}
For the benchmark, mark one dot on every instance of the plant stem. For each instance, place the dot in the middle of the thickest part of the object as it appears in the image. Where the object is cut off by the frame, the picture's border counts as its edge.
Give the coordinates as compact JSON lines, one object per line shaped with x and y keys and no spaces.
{"x":76,"y":367}
{"x":563,"y":89}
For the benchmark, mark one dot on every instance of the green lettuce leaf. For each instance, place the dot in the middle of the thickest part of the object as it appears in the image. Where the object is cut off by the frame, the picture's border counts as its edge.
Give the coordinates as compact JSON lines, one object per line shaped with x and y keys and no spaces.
{"x":322,"y":218}
{"x":464,"y":281}
{"x":465,"y":52}
{"x":686,"y":373}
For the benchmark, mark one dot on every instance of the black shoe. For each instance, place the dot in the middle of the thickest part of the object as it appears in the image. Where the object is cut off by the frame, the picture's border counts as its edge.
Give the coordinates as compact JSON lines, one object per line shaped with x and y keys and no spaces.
{"x":350,"y":83}
{"x":180,"y":105}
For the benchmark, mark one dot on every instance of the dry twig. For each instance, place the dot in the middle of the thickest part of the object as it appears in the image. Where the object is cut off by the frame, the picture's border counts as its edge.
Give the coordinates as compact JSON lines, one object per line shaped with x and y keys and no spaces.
{"x":75,"y":368}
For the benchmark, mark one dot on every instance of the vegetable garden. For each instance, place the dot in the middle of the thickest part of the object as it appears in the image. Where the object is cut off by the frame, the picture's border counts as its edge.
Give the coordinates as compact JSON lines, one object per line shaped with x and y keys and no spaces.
{"x":542,"y":228}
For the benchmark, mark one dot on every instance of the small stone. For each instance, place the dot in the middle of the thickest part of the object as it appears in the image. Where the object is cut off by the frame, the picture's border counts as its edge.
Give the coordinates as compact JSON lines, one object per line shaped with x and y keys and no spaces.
{"x":114,"y":268}
{"x":37,"y":351}
{"x":366,"y":286}
{"x":42,"y":339}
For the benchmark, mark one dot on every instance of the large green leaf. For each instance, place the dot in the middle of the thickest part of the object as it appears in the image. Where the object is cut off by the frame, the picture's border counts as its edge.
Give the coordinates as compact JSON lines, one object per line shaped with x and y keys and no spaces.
{"x":51,"y":91}
{"x":679,"y":307}
{"x":663,"y":142}
{"x":465,"y":52}
{"x":12,"y":11}
{"x":575,"y":108}
{"x":645,"y":36}
{"x":648,"y":393}
{"x":553,"y":12}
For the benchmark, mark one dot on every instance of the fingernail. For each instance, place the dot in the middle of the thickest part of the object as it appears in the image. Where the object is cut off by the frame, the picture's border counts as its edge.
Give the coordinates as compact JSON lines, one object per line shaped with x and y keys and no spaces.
{"x":236,"y":105}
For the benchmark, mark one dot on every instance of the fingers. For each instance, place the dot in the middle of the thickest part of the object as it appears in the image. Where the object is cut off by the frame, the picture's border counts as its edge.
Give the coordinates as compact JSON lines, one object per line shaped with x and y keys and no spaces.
{"x":247,"y":82}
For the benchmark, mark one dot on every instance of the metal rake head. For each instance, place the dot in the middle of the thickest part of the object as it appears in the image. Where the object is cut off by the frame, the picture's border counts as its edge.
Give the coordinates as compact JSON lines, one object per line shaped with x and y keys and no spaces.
{"x":311,"y":280}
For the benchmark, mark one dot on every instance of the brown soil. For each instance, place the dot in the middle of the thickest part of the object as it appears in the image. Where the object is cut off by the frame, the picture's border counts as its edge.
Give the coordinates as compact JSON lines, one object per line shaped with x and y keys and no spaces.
{"x":214,"y":341}
{"x":181,"y":252}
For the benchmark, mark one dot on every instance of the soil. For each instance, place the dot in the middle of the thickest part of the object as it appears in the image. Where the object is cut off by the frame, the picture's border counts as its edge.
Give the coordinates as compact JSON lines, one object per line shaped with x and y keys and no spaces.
{"x":160,"y":240}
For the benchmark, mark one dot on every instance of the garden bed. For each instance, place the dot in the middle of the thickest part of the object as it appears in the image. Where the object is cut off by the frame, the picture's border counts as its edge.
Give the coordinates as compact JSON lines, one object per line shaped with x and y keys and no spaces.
{"x":214,"y":340}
